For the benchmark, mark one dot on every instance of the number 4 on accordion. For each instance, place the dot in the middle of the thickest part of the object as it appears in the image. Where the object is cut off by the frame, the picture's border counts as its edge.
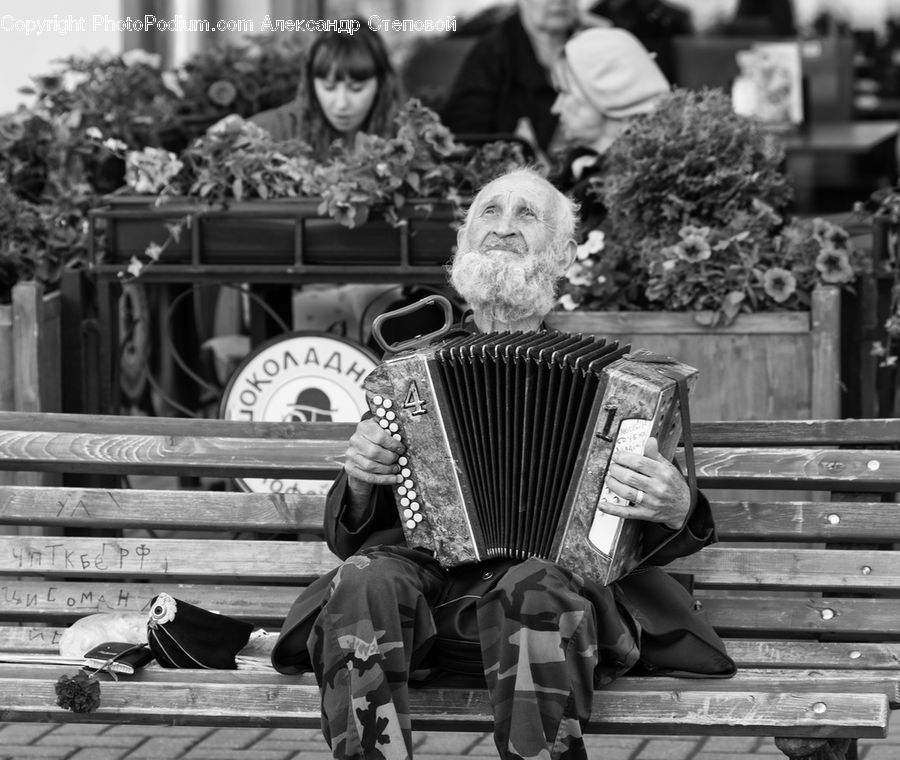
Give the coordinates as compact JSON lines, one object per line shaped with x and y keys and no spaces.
{"x":509,"y":437}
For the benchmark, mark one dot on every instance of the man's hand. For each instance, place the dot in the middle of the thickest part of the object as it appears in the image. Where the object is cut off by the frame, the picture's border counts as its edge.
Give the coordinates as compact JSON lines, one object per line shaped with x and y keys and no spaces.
{"x":370,"y":459}
{"x":653,"y":483}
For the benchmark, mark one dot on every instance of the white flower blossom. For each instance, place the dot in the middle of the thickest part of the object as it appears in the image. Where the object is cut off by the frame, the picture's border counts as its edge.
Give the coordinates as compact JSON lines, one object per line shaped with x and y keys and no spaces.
{"x":138,"y":56}
{"x":567,"y":302}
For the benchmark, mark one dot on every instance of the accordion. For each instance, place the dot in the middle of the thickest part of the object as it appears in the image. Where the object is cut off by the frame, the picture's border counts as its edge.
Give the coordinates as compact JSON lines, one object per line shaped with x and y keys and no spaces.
{"x":509,"y":437}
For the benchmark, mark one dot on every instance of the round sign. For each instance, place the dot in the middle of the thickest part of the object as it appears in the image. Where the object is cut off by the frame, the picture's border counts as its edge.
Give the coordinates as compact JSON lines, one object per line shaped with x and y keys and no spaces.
{"x":298,"y":377}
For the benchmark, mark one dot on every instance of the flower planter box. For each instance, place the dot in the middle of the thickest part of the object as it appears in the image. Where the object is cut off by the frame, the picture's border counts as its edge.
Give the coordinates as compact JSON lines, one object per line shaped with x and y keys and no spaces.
{"x":763,"y":366}
{"x":30,"y":377}
{"x":269,"y":239}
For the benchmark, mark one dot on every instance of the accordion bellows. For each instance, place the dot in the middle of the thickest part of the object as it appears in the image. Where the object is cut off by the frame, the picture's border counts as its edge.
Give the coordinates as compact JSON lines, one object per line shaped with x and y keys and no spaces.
{"x":508,"y":440}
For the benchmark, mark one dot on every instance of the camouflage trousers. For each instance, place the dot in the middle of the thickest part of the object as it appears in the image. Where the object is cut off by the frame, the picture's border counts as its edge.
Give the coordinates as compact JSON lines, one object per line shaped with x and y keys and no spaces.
{"x":539,"y":643}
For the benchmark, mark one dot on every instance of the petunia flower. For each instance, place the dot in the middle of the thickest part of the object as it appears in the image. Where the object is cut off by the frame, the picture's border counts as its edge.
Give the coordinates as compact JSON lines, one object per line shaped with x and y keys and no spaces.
{"x":834,"y":266}
{"x":222,"y":92}
{"x":779,"y":284}
{"x":693,"y":248}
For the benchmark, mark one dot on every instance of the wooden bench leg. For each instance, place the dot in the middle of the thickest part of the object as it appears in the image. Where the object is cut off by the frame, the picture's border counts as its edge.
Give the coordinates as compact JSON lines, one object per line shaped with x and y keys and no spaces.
{"x":818,"y":749}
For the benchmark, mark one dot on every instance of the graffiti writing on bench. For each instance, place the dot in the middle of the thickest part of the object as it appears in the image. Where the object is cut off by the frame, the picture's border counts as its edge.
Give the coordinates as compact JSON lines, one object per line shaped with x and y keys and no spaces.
{"x":112,"y":556}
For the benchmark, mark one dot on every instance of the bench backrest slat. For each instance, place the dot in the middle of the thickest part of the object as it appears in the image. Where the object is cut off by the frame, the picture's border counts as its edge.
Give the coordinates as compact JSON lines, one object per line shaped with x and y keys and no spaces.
{"x":835,"y":521}
{"x":73,"y":556}
{"x":38,"y":599}
{"x":137,"y":508}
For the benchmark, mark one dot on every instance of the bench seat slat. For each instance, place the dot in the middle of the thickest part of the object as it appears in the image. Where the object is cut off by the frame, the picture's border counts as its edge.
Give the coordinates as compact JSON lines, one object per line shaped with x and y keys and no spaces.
{"x":686,"y":711}
{"x":160,"y":509}
{"x":747,"y":653}
{"x":771,"y":680}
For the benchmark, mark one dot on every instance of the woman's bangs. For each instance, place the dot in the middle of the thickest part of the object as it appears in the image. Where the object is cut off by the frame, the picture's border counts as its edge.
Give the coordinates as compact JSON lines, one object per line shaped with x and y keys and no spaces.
{"x":343,"y":62}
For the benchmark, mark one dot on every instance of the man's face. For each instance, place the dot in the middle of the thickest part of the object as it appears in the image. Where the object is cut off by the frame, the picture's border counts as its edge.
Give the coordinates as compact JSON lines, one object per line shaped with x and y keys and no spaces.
{"x":549,"y":15}
{"x":507,"y":263}
{"x":511,"y":215}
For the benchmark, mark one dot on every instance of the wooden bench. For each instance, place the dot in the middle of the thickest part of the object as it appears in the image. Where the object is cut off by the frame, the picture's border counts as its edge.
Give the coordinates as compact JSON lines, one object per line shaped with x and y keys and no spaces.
{"x":807,"y":591}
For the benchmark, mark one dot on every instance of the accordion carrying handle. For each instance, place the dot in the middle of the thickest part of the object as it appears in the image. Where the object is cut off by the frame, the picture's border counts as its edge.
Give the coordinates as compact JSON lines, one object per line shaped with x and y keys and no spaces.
{"x":419,"y":340}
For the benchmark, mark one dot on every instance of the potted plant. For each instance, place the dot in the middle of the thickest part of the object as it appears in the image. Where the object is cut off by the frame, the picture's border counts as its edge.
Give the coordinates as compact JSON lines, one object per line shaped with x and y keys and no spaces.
{"x":391,"y":204}
{"x":699,"y":258}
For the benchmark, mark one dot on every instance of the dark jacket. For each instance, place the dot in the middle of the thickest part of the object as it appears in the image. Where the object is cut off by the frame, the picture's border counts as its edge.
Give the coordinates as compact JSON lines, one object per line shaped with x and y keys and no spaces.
{"x":675,"y":637}
{"x":500,"y":82}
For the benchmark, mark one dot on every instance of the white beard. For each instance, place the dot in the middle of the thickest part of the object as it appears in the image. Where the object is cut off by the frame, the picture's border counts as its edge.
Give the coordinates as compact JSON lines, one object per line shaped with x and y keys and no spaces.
{"x":504,"y":285}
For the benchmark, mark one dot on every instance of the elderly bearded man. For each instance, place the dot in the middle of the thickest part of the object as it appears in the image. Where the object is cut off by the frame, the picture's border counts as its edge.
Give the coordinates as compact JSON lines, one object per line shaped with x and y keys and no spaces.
{"x":544,"y":637}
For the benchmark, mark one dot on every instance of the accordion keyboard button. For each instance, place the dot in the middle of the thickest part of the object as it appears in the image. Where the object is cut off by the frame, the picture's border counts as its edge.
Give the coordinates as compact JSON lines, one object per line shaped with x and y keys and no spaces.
{"x":417,"y":517}
{"x":397,"y":437}
{"x":387,"y":403}
{"x":412,"y":494}
{"x":393,"y":427}
{"x":390,"y":415}
{"x":404,"y":502}
{"x":414,"y":506}
{"x":401,"y":490}
{"x":384,"y":423}
{"x":407,"y":514}
{"x":405,"y":472}
{"x":411,"y":524}
{"x":380,"y":412}
{"x":403,"y":461}
{"x":377,"y":400}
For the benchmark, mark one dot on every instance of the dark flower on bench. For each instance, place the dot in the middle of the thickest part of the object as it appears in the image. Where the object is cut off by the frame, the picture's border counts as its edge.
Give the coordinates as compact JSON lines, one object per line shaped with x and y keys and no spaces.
{"x":79,"y":693}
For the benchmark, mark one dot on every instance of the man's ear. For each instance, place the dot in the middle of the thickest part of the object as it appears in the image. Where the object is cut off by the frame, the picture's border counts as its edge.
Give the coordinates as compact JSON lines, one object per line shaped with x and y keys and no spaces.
{"x":460,"y":236}
{"x":569,"y":250}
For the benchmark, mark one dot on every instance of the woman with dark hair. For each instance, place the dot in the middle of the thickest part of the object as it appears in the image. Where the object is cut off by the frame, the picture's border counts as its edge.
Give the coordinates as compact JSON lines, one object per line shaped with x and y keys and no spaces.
{"x":348,"y":86}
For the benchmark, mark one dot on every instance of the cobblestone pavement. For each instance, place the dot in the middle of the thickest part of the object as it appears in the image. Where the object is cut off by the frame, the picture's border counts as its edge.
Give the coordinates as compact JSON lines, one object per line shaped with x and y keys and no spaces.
{"x":102,"y":742}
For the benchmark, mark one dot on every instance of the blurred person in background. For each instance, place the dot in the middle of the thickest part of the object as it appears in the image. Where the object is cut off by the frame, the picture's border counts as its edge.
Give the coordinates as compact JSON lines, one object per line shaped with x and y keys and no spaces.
{"x":348,"y":86}
{"x":605,"y":78}
{"x":503,"y":86}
